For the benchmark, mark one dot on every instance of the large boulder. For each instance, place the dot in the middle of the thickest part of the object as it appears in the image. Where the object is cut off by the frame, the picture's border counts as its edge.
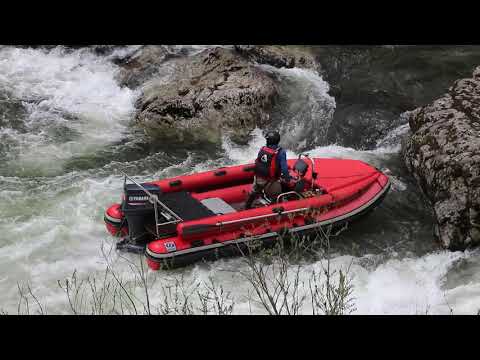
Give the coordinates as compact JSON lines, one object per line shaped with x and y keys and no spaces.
{"x":142,"y":65}
{"x":443,"y":153}
{"x":208,"y":93}
{"x":279,"y":55}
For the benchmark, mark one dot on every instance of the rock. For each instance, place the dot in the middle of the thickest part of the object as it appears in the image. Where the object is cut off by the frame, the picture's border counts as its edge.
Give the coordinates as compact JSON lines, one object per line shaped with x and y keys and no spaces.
{"x":142,"y":65}
{"x":104,"y":49}
{"x":278,"y":56}
{"x":209,"y":92}
{"x":443,"y":153}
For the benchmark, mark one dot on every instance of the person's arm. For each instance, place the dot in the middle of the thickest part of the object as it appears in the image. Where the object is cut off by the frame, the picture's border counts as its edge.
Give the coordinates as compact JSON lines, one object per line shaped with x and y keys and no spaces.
{"x":282,"y":156}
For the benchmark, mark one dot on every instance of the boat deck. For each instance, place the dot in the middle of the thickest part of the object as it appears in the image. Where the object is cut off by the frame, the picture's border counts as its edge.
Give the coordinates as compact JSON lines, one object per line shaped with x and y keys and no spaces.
{"x":185,"y":206}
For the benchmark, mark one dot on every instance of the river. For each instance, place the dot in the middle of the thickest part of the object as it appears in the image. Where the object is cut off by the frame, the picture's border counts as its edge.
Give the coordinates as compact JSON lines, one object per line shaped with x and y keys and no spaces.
{"x":66,"y":133}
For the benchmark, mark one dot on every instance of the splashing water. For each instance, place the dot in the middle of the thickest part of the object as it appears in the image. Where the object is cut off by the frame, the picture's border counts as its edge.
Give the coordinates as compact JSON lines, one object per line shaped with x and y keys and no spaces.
{"x":305,"y":108}
{"x":73,"y":104}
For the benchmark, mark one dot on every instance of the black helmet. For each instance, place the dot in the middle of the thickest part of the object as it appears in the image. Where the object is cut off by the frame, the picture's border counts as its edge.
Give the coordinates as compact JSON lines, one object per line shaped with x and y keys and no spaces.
{"x":273,"y":137}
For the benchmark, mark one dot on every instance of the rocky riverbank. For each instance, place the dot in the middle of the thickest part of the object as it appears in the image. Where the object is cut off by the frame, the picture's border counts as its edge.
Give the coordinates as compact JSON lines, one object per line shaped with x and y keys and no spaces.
{"x":443,"y":153}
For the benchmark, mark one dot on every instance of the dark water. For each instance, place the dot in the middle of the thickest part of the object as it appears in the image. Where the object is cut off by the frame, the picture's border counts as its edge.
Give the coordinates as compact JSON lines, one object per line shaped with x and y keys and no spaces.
{"x":376,"y":84}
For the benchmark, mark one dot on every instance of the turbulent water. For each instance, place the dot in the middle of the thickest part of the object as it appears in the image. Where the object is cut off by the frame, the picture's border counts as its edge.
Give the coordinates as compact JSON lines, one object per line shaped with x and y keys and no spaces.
{"x":65,"y":135}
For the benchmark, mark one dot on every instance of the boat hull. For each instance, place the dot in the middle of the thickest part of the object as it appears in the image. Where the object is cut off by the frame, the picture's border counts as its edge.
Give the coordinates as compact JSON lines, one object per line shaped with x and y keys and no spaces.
{"x":207,"y":226}
{"x":240,"y":246}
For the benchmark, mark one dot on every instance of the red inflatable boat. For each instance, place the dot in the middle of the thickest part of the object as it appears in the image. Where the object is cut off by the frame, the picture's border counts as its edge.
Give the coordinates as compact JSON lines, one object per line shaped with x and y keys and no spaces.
{"x":183,"y":219}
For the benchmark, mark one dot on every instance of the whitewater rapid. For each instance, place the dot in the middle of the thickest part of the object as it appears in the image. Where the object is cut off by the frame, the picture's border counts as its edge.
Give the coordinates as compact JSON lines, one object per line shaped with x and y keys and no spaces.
{"x":73,"y":105}
{"x":51,"y":208}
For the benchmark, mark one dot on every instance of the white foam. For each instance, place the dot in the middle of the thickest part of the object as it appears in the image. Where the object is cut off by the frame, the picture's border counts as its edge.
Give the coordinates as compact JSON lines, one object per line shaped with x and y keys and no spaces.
{"x":75,"y":90}
{"x":309,"y":107}
{"x":397,"y":286}
{"x":244,"y":154}
{"x":406,"y":286}
{"x":391,"y":142}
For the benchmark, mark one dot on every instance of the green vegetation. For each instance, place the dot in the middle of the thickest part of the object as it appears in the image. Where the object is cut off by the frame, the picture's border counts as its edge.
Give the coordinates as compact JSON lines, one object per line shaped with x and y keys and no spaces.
{"x":280,"y":279}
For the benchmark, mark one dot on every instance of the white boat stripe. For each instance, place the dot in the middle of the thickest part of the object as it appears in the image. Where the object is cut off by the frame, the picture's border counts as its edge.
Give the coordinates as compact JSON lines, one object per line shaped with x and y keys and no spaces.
{"x":112,"y":219}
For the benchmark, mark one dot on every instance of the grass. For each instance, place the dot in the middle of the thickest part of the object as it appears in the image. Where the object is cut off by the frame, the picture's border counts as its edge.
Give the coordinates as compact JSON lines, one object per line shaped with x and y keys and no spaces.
{"x":281,"y":282}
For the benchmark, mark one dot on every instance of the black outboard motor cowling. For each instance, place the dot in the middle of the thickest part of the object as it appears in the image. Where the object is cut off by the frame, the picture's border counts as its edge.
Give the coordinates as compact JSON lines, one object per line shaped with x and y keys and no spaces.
{"x":139,"y":211}
{"x":301,"y":167}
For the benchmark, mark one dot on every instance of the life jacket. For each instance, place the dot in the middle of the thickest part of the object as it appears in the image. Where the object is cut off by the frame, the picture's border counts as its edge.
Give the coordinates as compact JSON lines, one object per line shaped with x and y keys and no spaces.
{"x":266,"y":163}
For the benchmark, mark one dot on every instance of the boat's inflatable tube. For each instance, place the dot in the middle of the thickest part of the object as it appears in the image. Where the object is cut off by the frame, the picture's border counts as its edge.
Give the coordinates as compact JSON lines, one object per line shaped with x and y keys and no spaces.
{"x":115,"y":221}
{"x":201,"y":216}
{"x":235,"y":247}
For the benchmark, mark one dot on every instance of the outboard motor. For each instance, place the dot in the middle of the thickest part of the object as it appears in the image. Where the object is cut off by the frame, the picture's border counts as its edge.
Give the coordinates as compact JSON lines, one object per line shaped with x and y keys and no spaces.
{"x":139,"y":212}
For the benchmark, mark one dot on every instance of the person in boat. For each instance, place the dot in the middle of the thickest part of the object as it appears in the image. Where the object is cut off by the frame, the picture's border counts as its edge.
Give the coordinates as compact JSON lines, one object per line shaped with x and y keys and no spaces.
{"x":270,"y":167}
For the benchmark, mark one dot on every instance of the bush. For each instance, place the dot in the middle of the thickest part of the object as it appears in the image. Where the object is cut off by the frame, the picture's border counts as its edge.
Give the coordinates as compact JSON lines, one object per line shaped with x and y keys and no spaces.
{"x":276,"y":276}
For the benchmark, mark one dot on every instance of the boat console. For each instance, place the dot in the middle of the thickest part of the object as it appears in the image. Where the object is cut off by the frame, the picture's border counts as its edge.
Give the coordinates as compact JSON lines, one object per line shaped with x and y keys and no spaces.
{"x":295,"y":189}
